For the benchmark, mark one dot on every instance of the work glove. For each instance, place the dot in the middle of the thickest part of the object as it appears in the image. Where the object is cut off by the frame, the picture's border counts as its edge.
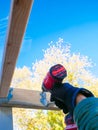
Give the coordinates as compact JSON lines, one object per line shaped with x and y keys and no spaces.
{"x":59,"y":104}
{"x":65,"y":95}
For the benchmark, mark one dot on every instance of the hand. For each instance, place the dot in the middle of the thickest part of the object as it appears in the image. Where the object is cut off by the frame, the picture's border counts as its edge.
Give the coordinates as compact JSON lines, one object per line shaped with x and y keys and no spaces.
{"x":59,"y":104}
{"x":65,"y":95}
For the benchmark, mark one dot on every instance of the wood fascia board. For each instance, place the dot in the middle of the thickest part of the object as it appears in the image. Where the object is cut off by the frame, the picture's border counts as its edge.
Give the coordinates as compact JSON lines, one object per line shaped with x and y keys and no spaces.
{"x":23,"y":98}
{"x":19,"y":14}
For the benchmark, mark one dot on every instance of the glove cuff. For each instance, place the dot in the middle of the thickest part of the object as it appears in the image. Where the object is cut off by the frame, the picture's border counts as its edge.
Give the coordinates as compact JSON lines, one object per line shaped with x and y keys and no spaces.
{"x":82,"y":91}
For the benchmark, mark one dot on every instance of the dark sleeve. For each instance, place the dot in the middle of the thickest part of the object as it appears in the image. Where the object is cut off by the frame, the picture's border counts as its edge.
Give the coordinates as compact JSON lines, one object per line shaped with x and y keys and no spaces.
{"x":86,"y":114}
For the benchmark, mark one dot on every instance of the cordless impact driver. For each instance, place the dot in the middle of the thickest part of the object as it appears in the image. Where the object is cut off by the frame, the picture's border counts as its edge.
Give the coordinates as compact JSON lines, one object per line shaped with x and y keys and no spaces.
{"x":55,"y":76}
{"x":52,"y":79}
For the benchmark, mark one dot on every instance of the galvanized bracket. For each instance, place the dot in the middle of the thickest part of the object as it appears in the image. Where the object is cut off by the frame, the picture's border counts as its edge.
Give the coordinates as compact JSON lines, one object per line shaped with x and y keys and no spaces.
{"x":6,"y":99}
{"x":44,"y":100}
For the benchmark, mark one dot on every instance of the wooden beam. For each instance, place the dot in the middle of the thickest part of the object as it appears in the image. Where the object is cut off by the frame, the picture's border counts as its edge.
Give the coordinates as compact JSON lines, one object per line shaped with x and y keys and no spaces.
{"x":19,"y":14}
{"x":23,"y":98}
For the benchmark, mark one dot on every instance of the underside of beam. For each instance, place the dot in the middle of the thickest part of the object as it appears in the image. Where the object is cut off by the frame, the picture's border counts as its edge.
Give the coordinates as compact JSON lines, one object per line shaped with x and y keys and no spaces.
{"x":19,"y":14}
{"x":23,"y":98}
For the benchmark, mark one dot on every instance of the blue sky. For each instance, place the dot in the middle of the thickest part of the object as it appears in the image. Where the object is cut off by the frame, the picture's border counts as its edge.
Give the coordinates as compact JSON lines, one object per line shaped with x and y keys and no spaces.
{"x":76,"y":21}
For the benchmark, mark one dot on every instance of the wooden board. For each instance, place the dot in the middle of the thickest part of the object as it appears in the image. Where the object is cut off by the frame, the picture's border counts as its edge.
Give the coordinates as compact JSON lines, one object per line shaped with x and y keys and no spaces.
{"x":23,"y":98}
{"x":19,"y":14}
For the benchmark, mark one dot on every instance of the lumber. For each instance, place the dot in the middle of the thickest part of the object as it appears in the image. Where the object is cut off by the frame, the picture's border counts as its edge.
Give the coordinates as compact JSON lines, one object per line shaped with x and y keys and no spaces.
{"x":23,"y":98}
{"x":18,"y":19}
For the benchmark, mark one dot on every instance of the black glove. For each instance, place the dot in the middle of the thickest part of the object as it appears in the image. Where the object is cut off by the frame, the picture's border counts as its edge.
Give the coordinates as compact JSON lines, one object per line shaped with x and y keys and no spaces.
{"x":59,"y":104}
{"x":65,"y":95}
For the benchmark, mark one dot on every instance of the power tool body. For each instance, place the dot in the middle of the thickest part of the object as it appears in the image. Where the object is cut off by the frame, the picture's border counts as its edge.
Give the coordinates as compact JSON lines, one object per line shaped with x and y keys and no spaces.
{"x":52,"y":80}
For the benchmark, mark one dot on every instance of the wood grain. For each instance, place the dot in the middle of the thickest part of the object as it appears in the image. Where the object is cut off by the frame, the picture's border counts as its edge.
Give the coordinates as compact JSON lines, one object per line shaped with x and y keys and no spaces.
{"x":23,"y":98}
{"x":19,"y":14}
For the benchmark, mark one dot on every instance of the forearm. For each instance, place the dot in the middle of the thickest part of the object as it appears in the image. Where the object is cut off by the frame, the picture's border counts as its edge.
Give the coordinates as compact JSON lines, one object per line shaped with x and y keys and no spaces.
{"x":79,"y":98}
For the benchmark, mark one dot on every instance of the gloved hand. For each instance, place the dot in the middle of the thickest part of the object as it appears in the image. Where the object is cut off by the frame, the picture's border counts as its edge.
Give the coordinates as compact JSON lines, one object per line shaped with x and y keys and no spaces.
{"x":65,"y":96}
{"x":59,"y":104}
